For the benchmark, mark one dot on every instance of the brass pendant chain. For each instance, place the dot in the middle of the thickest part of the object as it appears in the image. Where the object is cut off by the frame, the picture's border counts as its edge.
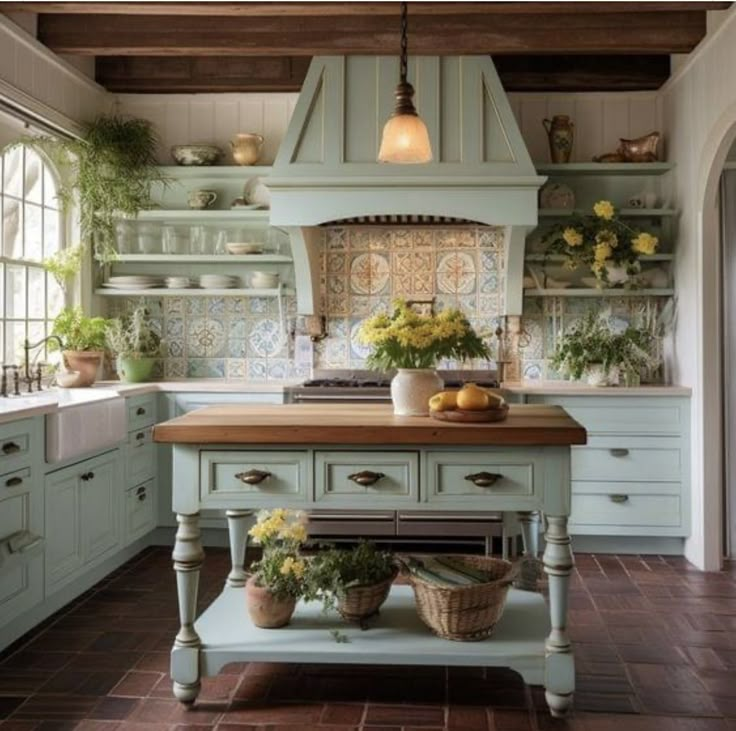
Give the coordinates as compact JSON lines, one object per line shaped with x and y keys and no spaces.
{"x":403,"y":69}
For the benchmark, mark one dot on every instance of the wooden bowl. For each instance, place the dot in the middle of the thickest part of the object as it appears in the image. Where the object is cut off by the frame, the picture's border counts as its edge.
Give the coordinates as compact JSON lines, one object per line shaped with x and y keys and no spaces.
{"x":461,"y":416}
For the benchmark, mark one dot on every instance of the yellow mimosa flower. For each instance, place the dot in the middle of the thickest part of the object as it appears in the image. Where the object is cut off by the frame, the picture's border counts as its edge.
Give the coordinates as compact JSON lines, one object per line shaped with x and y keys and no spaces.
{"x":602,"y":252}
{"x":604,"y":209}
{"x":645,"y":243}
{"x":572,"y":237}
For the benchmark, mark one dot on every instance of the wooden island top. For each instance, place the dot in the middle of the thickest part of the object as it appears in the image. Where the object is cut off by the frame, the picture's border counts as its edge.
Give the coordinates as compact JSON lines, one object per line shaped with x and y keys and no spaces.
{"x":526,"y":425}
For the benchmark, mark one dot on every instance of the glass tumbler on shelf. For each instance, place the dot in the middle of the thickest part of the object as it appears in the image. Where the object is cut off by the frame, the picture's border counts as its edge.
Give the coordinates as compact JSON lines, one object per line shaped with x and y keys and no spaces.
{"x":149,"y":238}
{"x":125,"y":237}
{"x":199,"y":240}
{"x":174,"y":242}
{"x":221,"y":240}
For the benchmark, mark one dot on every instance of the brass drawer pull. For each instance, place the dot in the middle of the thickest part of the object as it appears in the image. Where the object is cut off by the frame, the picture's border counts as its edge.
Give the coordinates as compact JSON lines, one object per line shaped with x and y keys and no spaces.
{"x":13,"y":481}
{"x":140,"y":490}
{"x":619,"y":452}
{"x":140,"y":436}
{"x":484,"y":479}
{"x":366,"y":477}
{"x":619,"y":498}
{"x":10,"y":448}
{"x":142,"y":496}
{"x":253,"y":477}
{"x":88,"y":476}
{"x":140,"y":411}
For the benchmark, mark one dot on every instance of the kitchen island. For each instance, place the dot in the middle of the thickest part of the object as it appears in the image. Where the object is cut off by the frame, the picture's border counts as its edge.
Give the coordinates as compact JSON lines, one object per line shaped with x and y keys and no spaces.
{"x":241,"y":457}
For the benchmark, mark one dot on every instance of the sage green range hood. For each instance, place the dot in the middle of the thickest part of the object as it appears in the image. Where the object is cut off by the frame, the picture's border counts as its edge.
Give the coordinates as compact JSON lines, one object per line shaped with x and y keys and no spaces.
{"x":326,"y":171}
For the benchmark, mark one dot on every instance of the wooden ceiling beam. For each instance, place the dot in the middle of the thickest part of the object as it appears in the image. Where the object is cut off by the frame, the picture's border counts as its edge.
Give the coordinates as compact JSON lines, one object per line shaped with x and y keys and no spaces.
{"x":170,"y":75}
{"x":663,"y":32}
{"x":332,"y":9}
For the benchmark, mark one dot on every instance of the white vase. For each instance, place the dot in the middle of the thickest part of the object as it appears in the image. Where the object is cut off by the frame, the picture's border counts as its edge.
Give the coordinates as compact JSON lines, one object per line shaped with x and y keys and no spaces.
{"x":411,"y":389}
{"x":597,"y":375}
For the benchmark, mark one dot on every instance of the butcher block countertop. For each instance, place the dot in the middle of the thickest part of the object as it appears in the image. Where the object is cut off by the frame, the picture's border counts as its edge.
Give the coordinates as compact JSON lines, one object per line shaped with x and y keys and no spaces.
{"x":246,"y":424}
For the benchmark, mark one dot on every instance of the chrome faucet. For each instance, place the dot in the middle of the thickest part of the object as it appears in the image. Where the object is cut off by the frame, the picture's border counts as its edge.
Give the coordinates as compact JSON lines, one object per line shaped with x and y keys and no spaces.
{"x":28,"y":378}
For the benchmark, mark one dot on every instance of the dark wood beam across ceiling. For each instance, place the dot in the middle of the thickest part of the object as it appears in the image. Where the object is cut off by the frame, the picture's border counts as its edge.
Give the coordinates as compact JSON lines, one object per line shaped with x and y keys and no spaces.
{"x":653,"y":32}
{"x":169,"y":75}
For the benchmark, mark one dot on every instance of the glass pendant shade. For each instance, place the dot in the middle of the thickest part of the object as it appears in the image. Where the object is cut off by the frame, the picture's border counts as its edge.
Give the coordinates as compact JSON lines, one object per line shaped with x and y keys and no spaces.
{"x":405,"y":140}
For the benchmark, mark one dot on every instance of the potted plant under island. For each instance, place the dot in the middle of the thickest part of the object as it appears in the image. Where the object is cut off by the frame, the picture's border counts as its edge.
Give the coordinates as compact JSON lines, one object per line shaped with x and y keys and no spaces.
{"x":414,"y":344}
{"x":593,"y":349}
{"x":135,"y":343}
{"x":84,"y":343}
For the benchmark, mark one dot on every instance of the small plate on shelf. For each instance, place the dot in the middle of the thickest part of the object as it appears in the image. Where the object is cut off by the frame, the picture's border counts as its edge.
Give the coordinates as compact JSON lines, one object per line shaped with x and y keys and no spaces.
{"x":235,"y":247}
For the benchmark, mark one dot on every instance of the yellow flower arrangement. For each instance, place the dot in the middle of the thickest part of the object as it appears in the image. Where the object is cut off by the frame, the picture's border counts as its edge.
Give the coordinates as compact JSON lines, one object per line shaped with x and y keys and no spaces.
{"x":406,"y":339}
{"x":293,"y":566}
{"x":645,"y":243}
{"x":602,"y":252}
{"x":605,"y":210}
{"x":572,"y":237}
{"x":607,"y":237}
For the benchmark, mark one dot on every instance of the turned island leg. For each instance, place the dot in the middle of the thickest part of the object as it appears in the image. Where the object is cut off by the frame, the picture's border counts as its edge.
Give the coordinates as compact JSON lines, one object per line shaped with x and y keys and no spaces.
{"x":188,"y":557}
{"x":559,"y":665}
{"x":237,"y":522}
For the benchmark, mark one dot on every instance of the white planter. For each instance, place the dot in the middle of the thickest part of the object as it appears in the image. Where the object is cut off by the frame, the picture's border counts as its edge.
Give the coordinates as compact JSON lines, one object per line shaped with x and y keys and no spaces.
{"x":597,"y":375}
{"x":411,"y":389}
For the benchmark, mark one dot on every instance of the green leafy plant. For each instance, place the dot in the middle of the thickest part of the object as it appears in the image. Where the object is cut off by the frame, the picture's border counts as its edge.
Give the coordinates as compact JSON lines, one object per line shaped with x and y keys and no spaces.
{"x":79,"y":332}
{"x":65,"y":264}
{"x":108,"y":173}
{"x":132,"y":336}
{"x":280,"y":569}
{"x":593,"y":341}
{"x":333,"y":571}
{"x":600,"y":241}
{"x":407,"y":339}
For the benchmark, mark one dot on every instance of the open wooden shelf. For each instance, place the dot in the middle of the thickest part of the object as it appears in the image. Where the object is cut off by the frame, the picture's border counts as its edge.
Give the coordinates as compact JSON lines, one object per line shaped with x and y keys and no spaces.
{"x":211,"y":215}
{"x":558,"y":258}
{"x":213,"y":172}
{"x":599,"y":292}
{"x":192,"y":292}
{"x":623,"y":212}
{"x":605,"y":168}
{"x":204,"y":259}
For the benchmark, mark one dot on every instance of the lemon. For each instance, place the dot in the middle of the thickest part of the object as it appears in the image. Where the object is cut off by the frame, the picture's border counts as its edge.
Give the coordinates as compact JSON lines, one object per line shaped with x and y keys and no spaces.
{"x":472,"y":398}
{"x":443,"y":401}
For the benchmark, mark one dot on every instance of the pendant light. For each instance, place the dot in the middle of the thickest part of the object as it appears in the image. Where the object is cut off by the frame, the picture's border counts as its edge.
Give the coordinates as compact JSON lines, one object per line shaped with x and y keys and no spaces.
{"x":405,"y":137}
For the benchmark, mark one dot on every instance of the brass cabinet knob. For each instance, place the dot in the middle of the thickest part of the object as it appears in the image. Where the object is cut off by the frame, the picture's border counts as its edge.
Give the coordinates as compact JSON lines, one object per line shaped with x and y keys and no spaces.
{"x":484,"y":479}
{"x":619,"y":498}
{"x":366,"y":477}
{"x":253,"y":477}
{"x":619,"y":452}
{"x":10,"y":448}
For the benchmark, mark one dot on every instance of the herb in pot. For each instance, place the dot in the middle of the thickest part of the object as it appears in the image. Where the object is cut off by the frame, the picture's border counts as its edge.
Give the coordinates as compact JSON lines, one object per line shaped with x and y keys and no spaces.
{"x":136,"y":343}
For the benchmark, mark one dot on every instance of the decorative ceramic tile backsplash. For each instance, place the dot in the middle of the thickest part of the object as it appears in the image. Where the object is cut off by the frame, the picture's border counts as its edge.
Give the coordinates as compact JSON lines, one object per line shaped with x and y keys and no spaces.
{"x":363,"y":270}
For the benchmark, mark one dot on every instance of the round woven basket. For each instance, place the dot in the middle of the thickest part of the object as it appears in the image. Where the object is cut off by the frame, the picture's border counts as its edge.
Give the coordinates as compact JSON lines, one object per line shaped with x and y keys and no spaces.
{"x":465,"y":613}
{"x":361,"y":602}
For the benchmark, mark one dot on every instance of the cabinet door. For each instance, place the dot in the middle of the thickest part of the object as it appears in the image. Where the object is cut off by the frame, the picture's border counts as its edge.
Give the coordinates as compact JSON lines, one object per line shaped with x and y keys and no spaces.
{"x":63,"y":535}
{"x":100,"y":509}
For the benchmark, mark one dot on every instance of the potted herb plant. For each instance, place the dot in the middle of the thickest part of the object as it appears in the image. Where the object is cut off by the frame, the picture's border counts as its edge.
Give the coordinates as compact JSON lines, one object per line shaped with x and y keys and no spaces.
{"x":592,"y":348}
{"x":135,"y":343}
{"x":356,"y":581}
{"x":277,"y":579}
{"x":84,"y":343}
{"x":414,"y":344}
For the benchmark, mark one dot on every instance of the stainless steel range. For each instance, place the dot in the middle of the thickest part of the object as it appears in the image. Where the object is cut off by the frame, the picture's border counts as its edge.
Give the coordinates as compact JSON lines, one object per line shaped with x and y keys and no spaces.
{"x":421,"y":527}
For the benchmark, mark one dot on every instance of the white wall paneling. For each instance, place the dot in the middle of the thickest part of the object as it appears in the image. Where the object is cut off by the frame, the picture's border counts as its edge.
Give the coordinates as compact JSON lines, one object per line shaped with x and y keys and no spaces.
{"x":600,"y":119}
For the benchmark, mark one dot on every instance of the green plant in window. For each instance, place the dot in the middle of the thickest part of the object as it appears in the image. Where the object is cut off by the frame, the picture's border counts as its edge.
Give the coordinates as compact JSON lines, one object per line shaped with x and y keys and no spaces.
{"x":65,"y":264}
{"x":79,"y":332}
{"x":108,"y":173}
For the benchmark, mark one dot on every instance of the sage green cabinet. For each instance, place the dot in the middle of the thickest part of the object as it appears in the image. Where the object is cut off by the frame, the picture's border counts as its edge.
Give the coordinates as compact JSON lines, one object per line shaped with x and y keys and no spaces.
{"x":83,"y":517}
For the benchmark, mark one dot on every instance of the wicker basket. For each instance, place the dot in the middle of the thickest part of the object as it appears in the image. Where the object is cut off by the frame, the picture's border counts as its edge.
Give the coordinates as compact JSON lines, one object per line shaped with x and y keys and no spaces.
{"x":361,"y":602}
{"x":465,"y":613}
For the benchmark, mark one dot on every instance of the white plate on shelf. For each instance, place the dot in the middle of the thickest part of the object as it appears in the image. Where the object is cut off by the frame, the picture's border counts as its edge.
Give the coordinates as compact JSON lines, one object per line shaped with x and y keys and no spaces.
{"x":131,"y":286}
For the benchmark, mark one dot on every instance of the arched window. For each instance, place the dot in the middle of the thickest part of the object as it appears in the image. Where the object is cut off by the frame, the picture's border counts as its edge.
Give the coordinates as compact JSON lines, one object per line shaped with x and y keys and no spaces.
{"x":31,"y":231}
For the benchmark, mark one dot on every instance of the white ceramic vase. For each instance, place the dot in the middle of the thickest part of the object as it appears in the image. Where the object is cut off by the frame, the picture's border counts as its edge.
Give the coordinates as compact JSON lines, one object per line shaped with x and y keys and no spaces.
{"x":597,"y":375}
{"x":411,"y":389}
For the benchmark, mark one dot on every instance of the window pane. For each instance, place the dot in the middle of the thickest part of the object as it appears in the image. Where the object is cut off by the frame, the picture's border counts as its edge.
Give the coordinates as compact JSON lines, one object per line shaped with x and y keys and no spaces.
{"x":36,"y":332}
{"x":12,"y":228}
{"x":34,"y":232}
{"x":15,"y":296}
{"x":15,"y":334}
{"x":49,"y":189}
{"x":55,"y":297}
{"x":13,"y":171}
{"x":36,"y":293}
{"x":33,"y":178}
{"x":2,"y":293}
{"x":50,"y":231}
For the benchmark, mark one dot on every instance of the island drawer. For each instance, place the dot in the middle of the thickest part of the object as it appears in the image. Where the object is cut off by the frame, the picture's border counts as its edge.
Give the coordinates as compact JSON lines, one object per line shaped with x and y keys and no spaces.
{"x":645,"y":459}
{"x":141,"y":456}
{"x":364,"y":479}
{"x":141,"y":411}
{"x":15,"y":445}
{"x":266,"y":478}
{"x":626,"y":509}
{"x":140,"y":510}
{"x":456,"y":477}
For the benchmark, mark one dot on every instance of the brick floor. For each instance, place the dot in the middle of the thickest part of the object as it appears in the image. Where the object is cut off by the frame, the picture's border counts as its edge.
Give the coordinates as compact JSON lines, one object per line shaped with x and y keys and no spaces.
{"x":655,"y":648}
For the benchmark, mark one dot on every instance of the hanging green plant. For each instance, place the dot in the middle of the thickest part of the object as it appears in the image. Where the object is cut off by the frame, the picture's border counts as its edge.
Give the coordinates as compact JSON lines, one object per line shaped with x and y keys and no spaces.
{"x":65,"y":264}
{"x":109,"y":172}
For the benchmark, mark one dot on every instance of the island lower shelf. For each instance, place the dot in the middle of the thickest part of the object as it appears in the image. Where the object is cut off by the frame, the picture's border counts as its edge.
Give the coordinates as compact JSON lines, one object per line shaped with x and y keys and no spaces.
{"x":396,"y":637}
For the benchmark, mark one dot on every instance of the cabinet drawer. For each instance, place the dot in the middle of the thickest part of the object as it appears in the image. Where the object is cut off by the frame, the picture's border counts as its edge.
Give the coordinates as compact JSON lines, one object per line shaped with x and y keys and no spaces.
{"x":628,"y":510}
{"x":461,"y":476}
{"x":141,"y":411}
{"x":15,"y":445}
{"x":266,"y":479}
{"x":141,"y":456}
{"x":643,"y":459}
{"x":364,"y":478}
{"x":140,"y":511}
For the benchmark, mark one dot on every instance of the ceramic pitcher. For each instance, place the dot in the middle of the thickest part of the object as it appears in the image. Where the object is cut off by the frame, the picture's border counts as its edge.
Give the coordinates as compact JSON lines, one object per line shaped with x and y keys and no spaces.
{"x":246,"y":148}
{"x":560,"y":131}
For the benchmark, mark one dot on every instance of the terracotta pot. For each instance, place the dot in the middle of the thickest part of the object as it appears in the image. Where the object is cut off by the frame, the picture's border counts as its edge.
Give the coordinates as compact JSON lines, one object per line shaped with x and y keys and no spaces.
{"x":266,"y":611}
{"x":84,"y":362}
{"x":411,"y":389}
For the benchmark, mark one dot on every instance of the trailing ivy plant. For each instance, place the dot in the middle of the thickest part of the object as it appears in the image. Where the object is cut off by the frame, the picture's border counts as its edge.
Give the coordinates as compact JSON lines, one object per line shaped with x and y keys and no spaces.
{"x":108,"y":172}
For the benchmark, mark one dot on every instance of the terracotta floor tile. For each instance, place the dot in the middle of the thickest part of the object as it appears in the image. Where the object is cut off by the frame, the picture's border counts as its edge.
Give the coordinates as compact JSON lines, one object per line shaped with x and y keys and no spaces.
{"x":405,"y":715}
{"x":343,"y":713}
{"x":666,"y":702}
{"x":113,"y":709}
{"x":9,"y":703}
{"x":467,"y":719}
{"x":136,"y":684}
{"x":510,"y":720}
